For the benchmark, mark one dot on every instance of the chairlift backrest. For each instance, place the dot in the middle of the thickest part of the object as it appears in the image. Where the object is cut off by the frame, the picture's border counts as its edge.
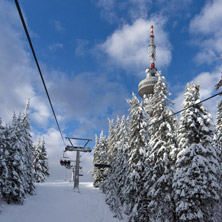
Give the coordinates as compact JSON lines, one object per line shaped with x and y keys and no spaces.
{"x":65,"y":161}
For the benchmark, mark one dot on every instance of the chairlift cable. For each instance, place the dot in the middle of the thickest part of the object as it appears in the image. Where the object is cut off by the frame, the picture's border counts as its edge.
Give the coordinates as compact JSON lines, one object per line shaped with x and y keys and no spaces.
{"x":204,"y":100}
{"x":36,"y":61}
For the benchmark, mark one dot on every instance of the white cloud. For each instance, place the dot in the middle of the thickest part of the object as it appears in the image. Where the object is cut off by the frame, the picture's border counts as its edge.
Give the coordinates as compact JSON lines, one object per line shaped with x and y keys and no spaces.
{"x":54,"y":47}
{"x":108,"y":11}
{"x":41,"y":114}
{"x":171,"y":8}
{"x":57,"y":25}
{"x":139,"y":8}
{"x":113,"y":11}
{"x":206,"y":30}
{"x":19,"y":77}
{"x":88,"y":98}
{"x":209,"y":19}
{"x":206,"y":56}
{"x":128,"y":47}
{"x":207,"y":81}
{"x":131,"y":10}
{"x":81,"y":45}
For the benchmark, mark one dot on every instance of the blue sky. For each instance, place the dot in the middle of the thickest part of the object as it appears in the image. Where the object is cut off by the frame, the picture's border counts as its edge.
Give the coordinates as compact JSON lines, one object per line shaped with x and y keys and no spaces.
{"x":94,"y":53}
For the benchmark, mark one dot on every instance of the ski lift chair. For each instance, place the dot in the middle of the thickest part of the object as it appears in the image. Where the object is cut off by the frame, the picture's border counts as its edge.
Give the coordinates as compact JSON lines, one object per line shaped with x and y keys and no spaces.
{"x":65,"y":161}
{"x":80,"y":171}
{"x":69,"y":166}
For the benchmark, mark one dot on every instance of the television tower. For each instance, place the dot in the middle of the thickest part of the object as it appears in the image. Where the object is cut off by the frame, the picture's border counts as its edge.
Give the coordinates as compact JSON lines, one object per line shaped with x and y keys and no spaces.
{"x":146,"y":86}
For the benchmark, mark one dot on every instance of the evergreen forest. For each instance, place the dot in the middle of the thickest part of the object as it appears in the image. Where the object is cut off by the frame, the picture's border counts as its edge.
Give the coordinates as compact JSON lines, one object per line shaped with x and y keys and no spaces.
{"x":21,"y":162}
{"x":162,"y":167}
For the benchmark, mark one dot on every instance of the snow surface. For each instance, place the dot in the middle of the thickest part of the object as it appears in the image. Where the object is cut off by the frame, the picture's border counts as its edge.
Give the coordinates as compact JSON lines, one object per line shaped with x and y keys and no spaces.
{"x":56,"y":202}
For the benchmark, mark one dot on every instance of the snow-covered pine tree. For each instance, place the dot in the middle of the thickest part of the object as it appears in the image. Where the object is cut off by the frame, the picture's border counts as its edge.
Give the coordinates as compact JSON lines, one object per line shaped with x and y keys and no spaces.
{"x":195,"y":181}
{"x":115,"y":180}
{"x":111,"y":141}
{"x":96,"y":160}
{"x":40,"y":163}
{"x":138,"y":139}
{"x":219,"y":128}
{"x":14,"y":186}
{"x":219,"y":84}
{"x":103,"y":155}
{"x":218,"y":143}
{"x":100,"y":151}
{"x":28,"y":150}
{"x":45,"y":159}
{"x":112,"y":198}
{"x":121,"y":162}
{"x":111,"y":191}
{"x":117,"y":139}
{"x":160,"y":157}
{"x":3,"y":159}
{"x":218,"y":138}
{"x":109,"y":155}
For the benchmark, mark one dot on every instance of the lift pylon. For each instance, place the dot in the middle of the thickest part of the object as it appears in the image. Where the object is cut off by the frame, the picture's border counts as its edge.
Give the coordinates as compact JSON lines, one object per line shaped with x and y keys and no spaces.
{"x":78,"y":149}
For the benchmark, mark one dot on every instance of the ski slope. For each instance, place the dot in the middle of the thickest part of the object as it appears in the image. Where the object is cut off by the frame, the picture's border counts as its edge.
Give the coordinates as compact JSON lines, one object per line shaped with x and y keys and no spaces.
{"x":57,"y":202}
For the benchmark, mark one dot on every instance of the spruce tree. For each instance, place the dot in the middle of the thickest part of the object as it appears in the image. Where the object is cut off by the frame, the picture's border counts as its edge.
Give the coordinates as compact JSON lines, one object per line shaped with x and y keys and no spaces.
{"x":197,"y":165}
{"x":160,"y":157}
{"x":111,"y":141}
{"x":28,"y":150}
{"x":114,"y":181}
{"x":96,"y":160}
{"x":137,"y":143}
{"x":112,"y":198}
{"x":218,"y":143}
{"x":41,"y":171}
{"x":14,"y":187}
{"x":121,"y":162}
{"x":100,"y":151}
{"x":219,"y":128}
{"x":45,"y":164}
{"x":111,"y":146}
{"x":16,"y":152}
{"x":3,"y":159}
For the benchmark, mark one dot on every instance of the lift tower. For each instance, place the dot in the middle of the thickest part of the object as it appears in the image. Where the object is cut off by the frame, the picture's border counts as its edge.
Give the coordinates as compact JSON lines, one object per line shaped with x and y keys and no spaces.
{"x":78,"y":149}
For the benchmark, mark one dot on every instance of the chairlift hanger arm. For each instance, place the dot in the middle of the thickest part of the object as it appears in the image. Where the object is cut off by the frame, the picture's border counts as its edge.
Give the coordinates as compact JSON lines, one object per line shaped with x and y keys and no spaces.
{"x":87,"y":142}
{"x":64,"y":154}
{"x":74,"y":138}
{"x":69,"y":140}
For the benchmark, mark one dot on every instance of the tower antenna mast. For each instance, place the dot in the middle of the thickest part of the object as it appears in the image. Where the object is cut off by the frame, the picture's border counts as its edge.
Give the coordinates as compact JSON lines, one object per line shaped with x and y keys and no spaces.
{"x":146,"y":86}
{"x":152,"y":50}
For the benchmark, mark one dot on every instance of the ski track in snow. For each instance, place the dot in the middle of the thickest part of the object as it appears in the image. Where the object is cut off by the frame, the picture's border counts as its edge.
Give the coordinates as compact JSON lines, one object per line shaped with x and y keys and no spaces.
{"x":57,"y":202}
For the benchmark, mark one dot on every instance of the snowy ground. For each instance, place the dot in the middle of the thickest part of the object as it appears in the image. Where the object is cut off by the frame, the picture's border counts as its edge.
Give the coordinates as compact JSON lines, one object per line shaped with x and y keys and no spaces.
{"x":57,"y":202}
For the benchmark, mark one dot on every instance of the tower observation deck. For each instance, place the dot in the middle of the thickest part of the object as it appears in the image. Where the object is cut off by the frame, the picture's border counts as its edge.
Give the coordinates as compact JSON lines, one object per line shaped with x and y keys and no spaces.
{"x":146,"y":86}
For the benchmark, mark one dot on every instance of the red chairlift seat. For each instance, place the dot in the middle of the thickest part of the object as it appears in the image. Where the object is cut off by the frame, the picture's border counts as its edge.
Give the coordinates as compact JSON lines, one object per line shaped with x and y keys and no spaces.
{"x":65,"y":161}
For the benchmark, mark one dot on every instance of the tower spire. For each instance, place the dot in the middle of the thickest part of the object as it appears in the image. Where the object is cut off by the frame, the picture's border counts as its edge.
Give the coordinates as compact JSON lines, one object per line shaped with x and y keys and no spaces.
{"x":152,"y":50}
{"x":146,"y":86}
